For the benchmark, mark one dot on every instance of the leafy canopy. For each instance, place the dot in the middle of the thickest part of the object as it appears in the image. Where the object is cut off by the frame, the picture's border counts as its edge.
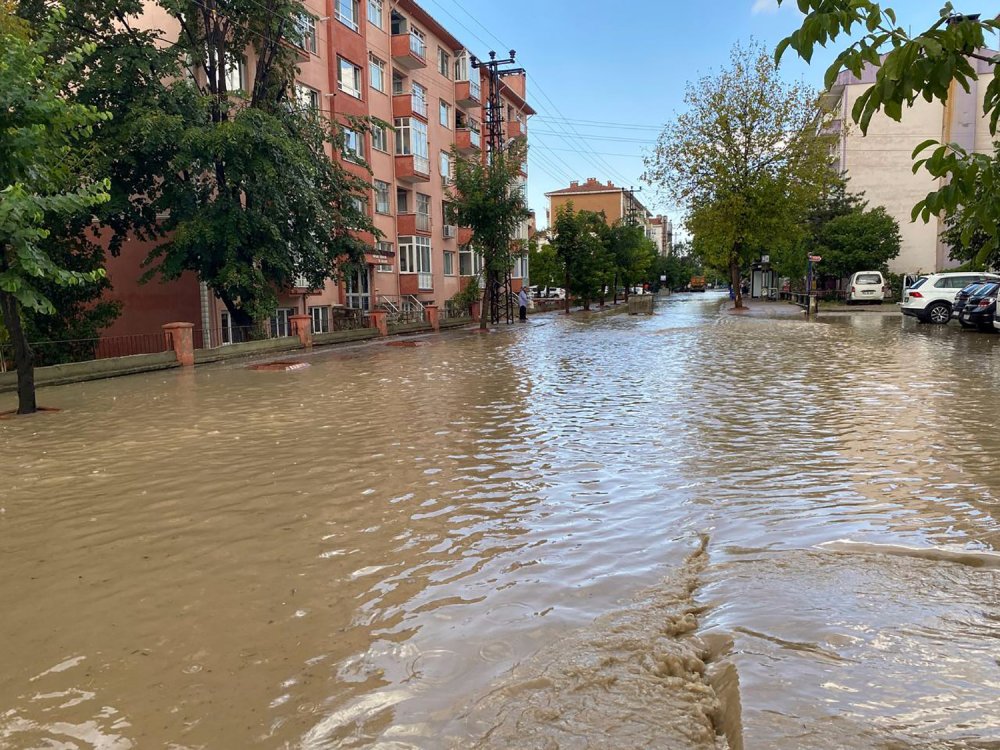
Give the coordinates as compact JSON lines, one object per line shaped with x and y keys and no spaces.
{"x":952,"y":50}
{"x":42,"y":139}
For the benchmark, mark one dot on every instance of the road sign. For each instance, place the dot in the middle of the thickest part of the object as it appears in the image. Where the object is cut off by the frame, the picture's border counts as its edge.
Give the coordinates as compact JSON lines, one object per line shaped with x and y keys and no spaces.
{"x":815,"y":258}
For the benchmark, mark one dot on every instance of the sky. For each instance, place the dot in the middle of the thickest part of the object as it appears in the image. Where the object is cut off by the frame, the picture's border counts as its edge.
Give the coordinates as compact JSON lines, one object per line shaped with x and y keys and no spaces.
{"x":606,"y":76}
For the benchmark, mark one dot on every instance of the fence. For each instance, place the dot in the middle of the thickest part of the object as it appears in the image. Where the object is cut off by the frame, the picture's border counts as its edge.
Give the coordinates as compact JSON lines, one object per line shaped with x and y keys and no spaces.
{"x":66,"y":351}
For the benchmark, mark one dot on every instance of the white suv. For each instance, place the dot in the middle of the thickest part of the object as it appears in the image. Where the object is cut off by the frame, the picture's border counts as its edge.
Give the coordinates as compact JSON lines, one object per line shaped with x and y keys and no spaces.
{"x":930,"y":298}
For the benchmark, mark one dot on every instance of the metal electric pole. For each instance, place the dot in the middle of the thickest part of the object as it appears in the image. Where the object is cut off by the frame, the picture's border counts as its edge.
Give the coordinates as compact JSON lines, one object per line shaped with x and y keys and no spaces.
{"x":495,"y":144}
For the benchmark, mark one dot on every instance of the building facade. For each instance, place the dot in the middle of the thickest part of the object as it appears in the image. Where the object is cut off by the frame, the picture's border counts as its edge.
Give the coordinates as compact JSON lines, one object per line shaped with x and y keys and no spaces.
{"x":879,"y":163}
{"x":390,"y":60}
{"x":617,"y":204}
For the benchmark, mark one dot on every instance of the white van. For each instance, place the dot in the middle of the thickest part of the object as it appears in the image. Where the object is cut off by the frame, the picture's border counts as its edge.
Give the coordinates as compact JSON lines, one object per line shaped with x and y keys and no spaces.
{"x":866,"y":286}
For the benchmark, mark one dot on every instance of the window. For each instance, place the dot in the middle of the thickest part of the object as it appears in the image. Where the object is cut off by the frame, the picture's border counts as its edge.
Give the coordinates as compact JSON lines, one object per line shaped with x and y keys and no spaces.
{"x":304,"y":35}
{"x":375,"y":13}
{"x":360,"y":204}
{"x":415,"y":257}
{"x":306,"y":97}
{"x":376,"y":73}
{"x":520,"y":269}
{"x":449,"y":264}
{"x":380,"y":138}
{"x":411,"y":140}
{"x":444,"y":114}
{"x":320,"y":319}
{"x":347,"y":12}
{"x":385,"y":251}
{"x":382,"y":197}
{"x":470,"y":263}
{"x":418,"y":45}
{"x":445,"y":166}
{"x":234,"y":76}
{"x":349,"y":77}
{"x":354,"y":145}
{"x":419,"y":99}
{"x":281,"y":322}
{"x":402,"y":201}
{"x":423,"y":212}
{"x":356,"y":284}
{"x":444,"y":63}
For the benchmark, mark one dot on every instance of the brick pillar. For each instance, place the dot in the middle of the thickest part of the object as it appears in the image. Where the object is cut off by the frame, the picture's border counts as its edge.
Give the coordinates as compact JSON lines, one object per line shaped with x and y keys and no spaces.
{"x":180,"y":337}
{"x":476,"y":306}
{"x":433,"y":316}
{"x":379,"y":320}
{"x":302,"y":327}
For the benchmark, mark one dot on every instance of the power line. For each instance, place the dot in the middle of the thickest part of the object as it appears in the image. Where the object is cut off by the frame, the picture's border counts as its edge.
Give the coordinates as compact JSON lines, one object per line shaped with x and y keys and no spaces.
{"x":618,"y":139}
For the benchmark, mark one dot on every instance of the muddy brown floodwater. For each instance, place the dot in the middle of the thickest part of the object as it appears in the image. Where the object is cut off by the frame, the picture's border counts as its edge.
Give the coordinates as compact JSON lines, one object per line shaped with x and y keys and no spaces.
{"x":681,"y":531}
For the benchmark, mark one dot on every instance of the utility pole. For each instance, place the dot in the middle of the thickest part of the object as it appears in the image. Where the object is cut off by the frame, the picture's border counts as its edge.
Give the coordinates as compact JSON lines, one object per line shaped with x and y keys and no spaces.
{"x":495,"y":143}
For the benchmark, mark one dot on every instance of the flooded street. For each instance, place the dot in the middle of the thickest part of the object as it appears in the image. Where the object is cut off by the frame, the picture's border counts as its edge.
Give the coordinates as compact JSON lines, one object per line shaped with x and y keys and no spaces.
{"x":684,"y":530}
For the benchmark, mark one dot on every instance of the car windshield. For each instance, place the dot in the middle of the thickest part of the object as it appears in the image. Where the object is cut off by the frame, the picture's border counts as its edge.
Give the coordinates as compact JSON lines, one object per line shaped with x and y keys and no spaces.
{"x":971,"y":289}
{"x":918,"y":283}
{"x":869,"y":278}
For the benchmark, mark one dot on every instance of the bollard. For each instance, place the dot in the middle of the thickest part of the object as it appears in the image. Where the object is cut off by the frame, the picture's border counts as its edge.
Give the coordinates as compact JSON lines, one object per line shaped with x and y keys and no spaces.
{"x":380,"y":321}
{"x":433,"y":317}
{"x":180,"y":338}
{"x":302,"y":327}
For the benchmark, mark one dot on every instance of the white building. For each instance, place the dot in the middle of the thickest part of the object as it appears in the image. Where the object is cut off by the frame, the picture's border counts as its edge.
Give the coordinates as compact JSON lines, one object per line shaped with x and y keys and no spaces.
{"x":879,"y":164}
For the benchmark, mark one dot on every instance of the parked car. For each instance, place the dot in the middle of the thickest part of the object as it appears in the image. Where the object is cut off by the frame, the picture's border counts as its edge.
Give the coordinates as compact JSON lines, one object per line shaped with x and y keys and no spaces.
{"x":930,"y":298}
{"x":981,"y":307}
{"x":961,"y":299}
{"x":866,"y":286}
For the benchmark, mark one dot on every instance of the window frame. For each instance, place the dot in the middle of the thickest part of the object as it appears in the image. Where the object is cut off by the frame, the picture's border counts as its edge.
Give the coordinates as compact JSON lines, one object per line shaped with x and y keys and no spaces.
{"x":355,"y":154}
{"x":444,"y":62}
{"x":449,"y":262}
{"x":388,"y":198}
{"x":444,"y":113}
{"x":324,"y":318}
{"x":305,"y":28}
{"x":358,"y":74}
{"x":376,"y":64}
{"x":352,"y":23}
{"x":380,"y":138}
{"x":380,"y":14}
{"x":302,"y":90}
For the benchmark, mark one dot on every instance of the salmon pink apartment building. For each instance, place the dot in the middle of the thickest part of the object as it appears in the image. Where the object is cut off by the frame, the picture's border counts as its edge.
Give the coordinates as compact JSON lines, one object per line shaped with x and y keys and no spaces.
{"x":390,"y":60}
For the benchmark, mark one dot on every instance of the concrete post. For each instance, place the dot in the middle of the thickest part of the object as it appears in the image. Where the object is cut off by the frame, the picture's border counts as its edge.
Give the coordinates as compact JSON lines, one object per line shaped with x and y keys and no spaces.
{"x":302,"y":327}
{"x":380,"y":321}
{"x":476,"y":306}
{"x":180,"y":338}
{"x":433,"y":316}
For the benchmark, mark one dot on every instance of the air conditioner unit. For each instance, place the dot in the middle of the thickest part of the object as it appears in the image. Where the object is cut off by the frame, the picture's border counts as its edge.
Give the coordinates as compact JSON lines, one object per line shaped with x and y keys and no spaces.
{"x":449,"y":230}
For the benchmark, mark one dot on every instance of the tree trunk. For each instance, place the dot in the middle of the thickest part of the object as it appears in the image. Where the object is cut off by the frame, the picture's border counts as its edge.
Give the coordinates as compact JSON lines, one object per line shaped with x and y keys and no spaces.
{"x":487,"y":310}
{"x":23,"y":356}
{"x":566,"y":291}
{"x":616,"y":288}
{"x":734,"y":275}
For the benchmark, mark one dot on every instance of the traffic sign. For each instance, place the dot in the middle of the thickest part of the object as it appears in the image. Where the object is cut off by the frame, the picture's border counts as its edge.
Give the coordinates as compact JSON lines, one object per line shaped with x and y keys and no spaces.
{"x":815,"y":258}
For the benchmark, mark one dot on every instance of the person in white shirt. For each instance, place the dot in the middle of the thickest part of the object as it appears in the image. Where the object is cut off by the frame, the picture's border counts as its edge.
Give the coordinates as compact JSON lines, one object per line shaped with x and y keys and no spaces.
{"x":522,"y":300}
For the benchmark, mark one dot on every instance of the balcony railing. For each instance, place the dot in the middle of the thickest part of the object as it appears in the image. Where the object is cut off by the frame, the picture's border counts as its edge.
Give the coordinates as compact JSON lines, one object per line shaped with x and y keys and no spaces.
{"x":475,"y":138}
{"x":419,"y":105}
{"x":417,"y":46}
{"x":425,"y":281}
{"x":476,"y":89}
{"x":421,"y":164}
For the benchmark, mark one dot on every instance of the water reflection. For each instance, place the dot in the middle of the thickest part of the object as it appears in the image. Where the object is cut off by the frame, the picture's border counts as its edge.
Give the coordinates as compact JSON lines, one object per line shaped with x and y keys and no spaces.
{"x":346,"y":555}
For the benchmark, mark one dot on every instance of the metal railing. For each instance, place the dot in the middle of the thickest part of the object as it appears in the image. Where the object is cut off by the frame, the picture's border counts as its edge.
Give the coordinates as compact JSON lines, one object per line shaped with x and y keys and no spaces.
{"x":64,"y":351}
{"x":421,"y":164}
{"x":475,"y":90}
{"x":417,"y":46}
{"x":418,"y":104}
{"x":402,"y":309}
{"x":453,"y":309}
{"x":210,"y":338}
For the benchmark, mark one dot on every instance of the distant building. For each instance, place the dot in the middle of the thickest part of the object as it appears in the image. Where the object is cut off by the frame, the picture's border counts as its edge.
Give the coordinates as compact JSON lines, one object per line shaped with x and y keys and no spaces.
{"x":880,"y":164}
{"x":662,"y":233}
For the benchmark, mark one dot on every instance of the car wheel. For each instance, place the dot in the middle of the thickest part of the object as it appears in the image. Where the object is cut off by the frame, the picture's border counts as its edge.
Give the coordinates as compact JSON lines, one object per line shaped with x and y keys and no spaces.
{"x":939,"y":313}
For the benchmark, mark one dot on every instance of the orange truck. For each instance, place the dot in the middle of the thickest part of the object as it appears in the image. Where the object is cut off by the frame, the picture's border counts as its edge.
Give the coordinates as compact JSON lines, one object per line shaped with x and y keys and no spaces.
{"x":697,"y":284}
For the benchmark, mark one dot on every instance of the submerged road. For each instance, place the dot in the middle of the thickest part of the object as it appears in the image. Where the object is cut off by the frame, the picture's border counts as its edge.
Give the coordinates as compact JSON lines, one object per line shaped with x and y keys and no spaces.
{"x":689,"y":530}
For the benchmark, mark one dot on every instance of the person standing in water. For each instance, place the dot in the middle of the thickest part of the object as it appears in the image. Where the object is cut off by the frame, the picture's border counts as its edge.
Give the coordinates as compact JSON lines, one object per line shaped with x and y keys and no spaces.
{"x":522,"y":300}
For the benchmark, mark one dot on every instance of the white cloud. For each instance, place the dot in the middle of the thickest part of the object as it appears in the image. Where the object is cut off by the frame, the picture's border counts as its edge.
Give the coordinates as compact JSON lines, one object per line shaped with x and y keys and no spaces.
{"x":765,"y":6}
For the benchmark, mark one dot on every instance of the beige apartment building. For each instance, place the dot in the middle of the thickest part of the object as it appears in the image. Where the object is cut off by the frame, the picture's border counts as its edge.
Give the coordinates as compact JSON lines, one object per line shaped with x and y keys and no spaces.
{"x":879,"y":164}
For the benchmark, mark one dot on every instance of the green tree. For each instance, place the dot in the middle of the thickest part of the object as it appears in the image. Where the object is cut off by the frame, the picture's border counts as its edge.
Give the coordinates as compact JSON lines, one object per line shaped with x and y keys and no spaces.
{"x":858,"y":241}
{"x":909,"y":66}
{"x":579,"y":241}
{"x":546,"y":267}
{"x":743,"y":160}
{"x":631,"y":252}
{"x":237,"y":185}
{"x":43,"y":177}
{"x":487,"y":198}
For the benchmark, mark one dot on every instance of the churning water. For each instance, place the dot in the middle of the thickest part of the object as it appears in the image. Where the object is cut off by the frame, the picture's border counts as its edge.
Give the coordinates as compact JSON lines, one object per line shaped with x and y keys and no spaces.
{"x":688,"y":530}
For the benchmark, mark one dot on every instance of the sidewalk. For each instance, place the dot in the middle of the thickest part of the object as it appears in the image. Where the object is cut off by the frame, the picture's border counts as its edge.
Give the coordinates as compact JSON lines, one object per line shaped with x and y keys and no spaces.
{"x":763,"y":309}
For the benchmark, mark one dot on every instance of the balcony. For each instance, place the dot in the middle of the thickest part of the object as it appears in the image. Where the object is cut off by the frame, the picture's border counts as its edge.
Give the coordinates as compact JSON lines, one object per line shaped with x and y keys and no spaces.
{"x":515,"y":129}
{"x":409,"y":105}
{"x":468,"y":94}
{"x":408,"y":224}
{"x":412,"y":168}
{"x":408,"y":51}
{"x":416,"y":283}
{"x":468,"y":141}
